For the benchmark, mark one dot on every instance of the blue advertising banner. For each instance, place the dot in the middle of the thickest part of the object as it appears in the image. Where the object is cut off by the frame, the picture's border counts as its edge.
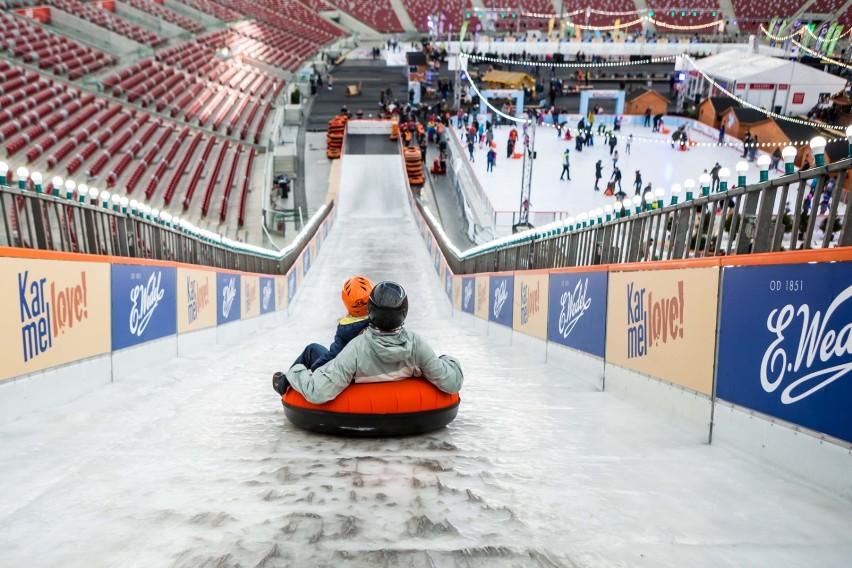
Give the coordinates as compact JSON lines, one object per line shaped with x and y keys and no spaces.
{"x":429,"y":243}
{"x":228,"y":293}
{"x":291,"y":286}
{"x":500,"y":303}
{"x":144,"y":304}
{"x":577,"y":311}
{"x":448,"y":284}
{"x":306,"y":260}
{"x":267,"y":295}
{"x":468,"y":294}
{"x":785,"y":343}
{"x":437,"y":259}
{"x":325,"y":228}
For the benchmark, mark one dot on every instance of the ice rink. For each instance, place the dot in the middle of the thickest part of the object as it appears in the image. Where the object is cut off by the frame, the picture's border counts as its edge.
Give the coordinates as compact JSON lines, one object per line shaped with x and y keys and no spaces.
{"x":650,"y":153}
{"x":191,"y":462}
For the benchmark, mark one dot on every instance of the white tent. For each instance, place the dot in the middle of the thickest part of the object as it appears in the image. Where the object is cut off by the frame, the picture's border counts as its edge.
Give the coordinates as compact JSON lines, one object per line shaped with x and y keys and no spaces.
{"x":767,"y":82}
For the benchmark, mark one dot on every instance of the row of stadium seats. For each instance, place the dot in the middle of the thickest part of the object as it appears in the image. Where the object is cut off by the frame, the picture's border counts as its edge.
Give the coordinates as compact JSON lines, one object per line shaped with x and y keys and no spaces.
{"x":108,"y":21}
{"x":53,"y":52}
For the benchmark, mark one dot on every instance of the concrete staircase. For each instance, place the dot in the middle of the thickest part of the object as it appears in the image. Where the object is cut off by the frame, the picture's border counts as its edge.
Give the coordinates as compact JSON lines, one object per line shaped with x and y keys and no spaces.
{"x":402,"y":14}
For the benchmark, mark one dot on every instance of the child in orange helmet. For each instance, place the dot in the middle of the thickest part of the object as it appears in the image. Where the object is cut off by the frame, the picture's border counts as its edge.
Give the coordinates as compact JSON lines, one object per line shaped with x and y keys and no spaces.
{"x":355,"y":294}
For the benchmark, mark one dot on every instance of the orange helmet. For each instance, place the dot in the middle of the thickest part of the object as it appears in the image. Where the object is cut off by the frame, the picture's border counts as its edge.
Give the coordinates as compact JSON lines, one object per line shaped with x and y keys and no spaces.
{"x":356,"y":292}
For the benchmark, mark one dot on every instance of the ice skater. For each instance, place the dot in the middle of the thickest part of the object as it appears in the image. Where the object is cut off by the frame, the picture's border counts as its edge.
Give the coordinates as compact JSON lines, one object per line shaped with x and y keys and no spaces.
{"x":615,"y":158}
{"x":616,"y":178}
{"x":628,"y":144}
{"x":598,"y":174}
{"x":637,"y":183}
{"x":566,"y":165}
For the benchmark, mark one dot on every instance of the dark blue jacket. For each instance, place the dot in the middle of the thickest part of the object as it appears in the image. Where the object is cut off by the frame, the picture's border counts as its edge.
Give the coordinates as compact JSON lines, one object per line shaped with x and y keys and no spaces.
{"x":348,"y":328}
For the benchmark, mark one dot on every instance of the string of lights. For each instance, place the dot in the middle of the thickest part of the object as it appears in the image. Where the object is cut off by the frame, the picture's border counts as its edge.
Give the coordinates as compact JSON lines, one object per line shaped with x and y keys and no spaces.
{"x":660,"y":59}
{"x":825,"y":58}
{"x":692,"y":62}
{"x":745,"y":103}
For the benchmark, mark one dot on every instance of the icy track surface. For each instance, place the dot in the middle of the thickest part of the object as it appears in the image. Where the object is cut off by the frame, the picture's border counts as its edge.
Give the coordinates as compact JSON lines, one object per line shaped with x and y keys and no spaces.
{"x":193,"y":464}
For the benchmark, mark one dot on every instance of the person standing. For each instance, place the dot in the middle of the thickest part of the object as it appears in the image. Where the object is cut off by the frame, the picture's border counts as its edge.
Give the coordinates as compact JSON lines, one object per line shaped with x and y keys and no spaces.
{"x":566,"y":165}
{"x":612,"y":142}
{"x":614,"y":158}
{"x":598,"y":174}
{"x":647,"y":117}
{"x":722,"y":134}
{"x":714,"y":174}
{"x":491,"y":157}
{"x":746,"y":142}
{"x":616,"y":178}
{"x":470,"y":146}
{"x":637,"y":183}
{"x":628,"y":144}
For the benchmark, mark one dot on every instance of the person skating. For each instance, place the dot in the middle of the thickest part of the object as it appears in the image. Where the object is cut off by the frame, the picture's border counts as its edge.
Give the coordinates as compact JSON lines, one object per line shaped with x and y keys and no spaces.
{"x":612,"y":142}
{"x":566,"y":165}
{"x":598,"y":174}
{"x":386,"y":351}
{"x":491,"y":158}
{"x":714,"y":174}
{"x":616,"y":178}
{"x":637,"y":183}
{"x":628,"y":144}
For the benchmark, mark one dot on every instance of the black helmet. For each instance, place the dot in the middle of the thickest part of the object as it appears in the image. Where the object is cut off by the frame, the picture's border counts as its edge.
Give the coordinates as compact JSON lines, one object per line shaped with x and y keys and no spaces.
{"x":388,"y":306}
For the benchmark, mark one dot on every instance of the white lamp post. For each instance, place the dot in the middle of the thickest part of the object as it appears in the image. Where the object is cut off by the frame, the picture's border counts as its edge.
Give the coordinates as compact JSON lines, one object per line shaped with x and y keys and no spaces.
{"x":789,"y":153}
{"x":82,"y":192}
{"x":23,"y":175}
{"x":626,"y":204}
{"x":105,"y":199}
{"x":36,"y":177}
{"x":659,"y":193}
{"x":608,"y":211}
{"x":649,"y":200}
{"x":688,"y":186}
{"x":763,"y":165}
{"x":675,"y":193}
{"x":818,"y":148}
{"x":724,"y":174}
{"x":704,"y":181}
{"x":4,"y":169}
{"x":742,"y":168}
{"x":637,"y":203}
{"x":116,"y":202}
{"x":93,"y":195}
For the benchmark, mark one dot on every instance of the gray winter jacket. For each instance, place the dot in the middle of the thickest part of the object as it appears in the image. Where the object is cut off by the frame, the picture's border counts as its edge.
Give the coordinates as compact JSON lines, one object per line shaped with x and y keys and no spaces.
{"x":375,"y":357}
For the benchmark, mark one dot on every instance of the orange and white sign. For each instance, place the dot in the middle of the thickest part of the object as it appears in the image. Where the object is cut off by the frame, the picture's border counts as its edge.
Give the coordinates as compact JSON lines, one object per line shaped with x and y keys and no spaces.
{"x":480,"y":309}
{"x":54,"y":312}
{"x":663,"y":323}
{"x":196,"y":298}
{"x":457,"y":293}
{"x":250,"y":290}
{"x":530,"y":304}
{"x":280,"y":293}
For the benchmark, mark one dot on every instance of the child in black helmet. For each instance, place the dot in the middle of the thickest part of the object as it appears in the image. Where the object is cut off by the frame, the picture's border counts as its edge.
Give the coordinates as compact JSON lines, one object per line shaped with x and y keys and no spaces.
{"x":386,"y":351}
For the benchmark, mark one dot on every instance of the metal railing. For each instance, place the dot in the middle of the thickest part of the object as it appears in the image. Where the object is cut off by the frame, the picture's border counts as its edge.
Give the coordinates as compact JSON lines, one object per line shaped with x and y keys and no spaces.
{"x":787,"y":213}
{"x":83,"y":225}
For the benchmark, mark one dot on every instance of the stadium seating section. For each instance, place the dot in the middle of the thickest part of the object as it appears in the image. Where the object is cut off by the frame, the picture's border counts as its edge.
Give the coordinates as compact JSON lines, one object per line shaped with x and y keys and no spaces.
{"x":179,"y":121}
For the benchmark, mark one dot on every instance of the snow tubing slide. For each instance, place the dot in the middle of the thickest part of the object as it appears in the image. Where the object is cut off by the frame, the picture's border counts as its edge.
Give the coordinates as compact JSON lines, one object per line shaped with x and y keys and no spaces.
{"x":397,"y":408}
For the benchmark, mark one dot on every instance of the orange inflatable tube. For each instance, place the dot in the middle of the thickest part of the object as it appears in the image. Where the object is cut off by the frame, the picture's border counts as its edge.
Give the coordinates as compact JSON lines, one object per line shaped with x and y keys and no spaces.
{"x":398,"y":408}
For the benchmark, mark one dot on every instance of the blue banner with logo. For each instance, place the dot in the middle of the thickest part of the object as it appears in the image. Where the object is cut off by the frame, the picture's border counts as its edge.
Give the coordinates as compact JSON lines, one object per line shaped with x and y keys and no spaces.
{"x":437,"y":259}
{"x":500,"y":303}
{"x":576,"y":314}
{"x":468,"y":294}
{"x":785,"y":343}
{"x":306,"y":261}
{"x":267,"y":295}
{"x":291,"y":286}
{"x":448,"y":284}
{"x":144,"y":304}
{"x":228,"y":292}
